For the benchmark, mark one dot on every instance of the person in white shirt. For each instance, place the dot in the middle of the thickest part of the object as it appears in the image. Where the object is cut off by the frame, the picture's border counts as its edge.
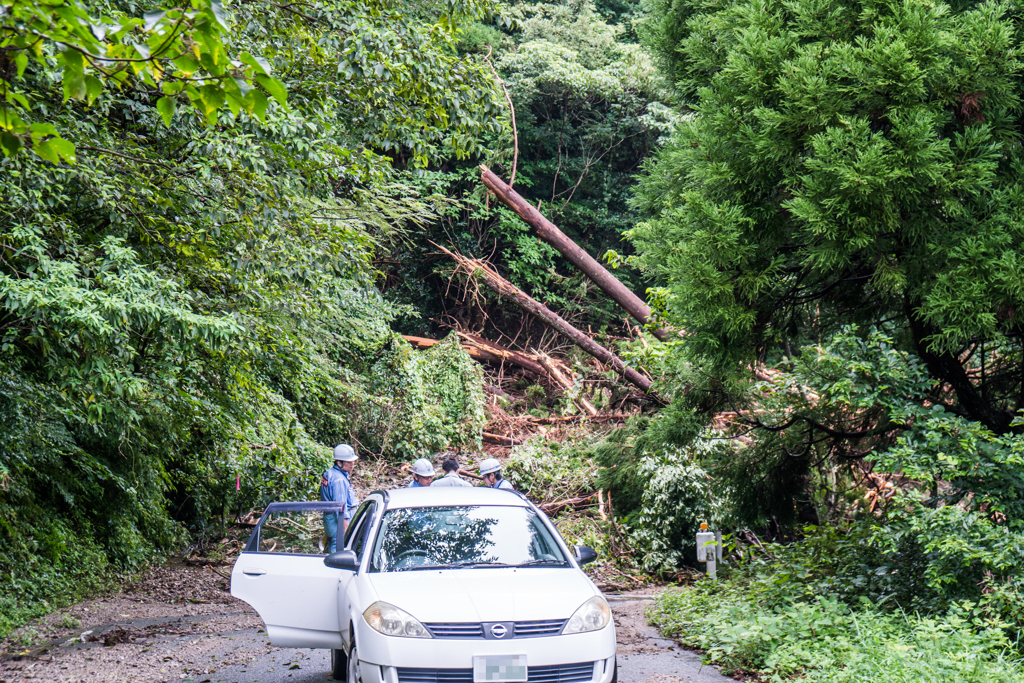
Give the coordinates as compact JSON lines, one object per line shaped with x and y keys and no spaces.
{"x":451,"y":474}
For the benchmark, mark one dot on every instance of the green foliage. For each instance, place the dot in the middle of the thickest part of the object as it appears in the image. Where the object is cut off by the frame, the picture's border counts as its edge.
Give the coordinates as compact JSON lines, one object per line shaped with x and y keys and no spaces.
{"x":850,"y":164}
{"x":549,"y":470}
{"x":455,"y":385}
{"x":678,"y":495}
{"x":188,"y":317}
{"x":588,"y":106}
{"x":416,"y":404}
{"x":824,"y":640}
{"x":178,"y":52}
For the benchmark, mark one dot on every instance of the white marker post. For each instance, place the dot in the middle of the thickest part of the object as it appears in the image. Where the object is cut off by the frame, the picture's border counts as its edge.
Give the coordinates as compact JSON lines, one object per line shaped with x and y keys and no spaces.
{"x":709,"y":555}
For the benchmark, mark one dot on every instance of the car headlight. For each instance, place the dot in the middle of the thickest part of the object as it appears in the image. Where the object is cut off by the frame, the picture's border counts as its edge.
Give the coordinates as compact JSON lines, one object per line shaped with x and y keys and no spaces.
{"x":593,"y":615}
{"x":391,"y":621}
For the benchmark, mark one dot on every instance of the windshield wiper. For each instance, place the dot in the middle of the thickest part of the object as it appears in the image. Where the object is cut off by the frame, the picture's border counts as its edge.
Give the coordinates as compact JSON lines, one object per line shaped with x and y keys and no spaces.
{"x":540,"y":563}
{"x":421,"y":567}
{"x":456,"y":565}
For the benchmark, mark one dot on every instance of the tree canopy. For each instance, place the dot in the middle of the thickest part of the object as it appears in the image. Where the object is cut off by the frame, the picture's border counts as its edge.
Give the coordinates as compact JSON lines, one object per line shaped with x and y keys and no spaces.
{"x":851,"y":162}
{"x":188,"y":313}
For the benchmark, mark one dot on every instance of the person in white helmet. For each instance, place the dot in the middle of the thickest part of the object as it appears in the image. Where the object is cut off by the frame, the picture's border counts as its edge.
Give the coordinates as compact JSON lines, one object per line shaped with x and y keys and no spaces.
{"x":451,"y":474}
{"x":490,"y":470}
{"x":336,"y":487}
{"x":422,"y":474}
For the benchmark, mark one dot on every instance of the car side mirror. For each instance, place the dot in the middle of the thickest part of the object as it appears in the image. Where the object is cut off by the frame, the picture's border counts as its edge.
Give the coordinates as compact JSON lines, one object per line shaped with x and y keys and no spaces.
{"x":344,"y":559}
{"x":584,"y":554}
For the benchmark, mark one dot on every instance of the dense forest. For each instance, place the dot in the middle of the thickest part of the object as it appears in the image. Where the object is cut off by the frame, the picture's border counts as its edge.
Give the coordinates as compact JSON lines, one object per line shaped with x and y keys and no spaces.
{"x":217,"y":220}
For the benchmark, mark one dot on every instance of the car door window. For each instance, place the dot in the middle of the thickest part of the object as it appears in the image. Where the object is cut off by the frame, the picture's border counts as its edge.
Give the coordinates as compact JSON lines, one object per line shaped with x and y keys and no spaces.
{"x":295,"y":532}
{"x":356,"y":523}
{"x":363,"y":531}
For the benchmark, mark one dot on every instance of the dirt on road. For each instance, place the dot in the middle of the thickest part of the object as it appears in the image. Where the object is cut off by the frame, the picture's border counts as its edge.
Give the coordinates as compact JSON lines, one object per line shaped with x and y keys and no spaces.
{"x":177,"y":623}
{"x":180,"y":623}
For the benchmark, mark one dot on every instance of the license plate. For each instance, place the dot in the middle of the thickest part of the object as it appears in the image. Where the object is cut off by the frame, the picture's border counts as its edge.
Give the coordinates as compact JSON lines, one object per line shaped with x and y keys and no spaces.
{"x":503,"y":668}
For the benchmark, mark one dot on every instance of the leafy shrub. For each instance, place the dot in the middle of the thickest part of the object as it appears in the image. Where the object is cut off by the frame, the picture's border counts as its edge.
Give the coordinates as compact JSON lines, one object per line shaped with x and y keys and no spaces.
{"x":823,"y":639}
{"x":418,"y":402}
{"x":551,"y":470}
{"x":677,"y":497}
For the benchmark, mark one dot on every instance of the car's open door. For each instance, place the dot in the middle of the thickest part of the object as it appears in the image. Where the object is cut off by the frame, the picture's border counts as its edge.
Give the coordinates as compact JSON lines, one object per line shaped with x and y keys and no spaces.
{"x":281,"y":573}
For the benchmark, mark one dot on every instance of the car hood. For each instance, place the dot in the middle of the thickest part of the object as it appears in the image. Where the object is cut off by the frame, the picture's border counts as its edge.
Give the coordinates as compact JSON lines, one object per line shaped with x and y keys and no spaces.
{"x":474,"y":595}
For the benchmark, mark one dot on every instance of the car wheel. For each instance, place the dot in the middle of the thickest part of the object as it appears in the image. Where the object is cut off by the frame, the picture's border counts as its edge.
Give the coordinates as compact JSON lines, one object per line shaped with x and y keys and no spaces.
{"x":354,"y":675}
{"x":339,"y":665}
{"x":615,"y":672}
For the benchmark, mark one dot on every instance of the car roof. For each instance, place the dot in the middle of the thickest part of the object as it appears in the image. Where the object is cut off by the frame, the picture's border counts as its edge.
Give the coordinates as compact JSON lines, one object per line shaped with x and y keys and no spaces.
{"x":431,"y":496}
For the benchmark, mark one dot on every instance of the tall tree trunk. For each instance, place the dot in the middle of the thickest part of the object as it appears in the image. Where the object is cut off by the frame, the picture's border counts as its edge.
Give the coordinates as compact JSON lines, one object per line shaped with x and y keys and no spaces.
{"x":510,"y":292}
{"x":550,"y":233}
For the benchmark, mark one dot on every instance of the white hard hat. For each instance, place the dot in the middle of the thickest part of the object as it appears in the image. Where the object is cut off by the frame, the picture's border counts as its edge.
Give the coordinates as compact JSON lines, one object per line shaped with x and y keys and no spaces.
{"x":489,"y":465}
{"x":423,"y":468}
{"x":344,"y":453}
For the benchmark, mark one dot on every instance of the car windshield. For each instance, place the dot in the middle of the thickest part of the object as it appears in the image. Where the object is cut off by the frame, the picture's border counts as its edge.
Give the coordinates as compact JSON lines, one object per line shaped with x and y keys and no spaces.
{"x":462,"y":537}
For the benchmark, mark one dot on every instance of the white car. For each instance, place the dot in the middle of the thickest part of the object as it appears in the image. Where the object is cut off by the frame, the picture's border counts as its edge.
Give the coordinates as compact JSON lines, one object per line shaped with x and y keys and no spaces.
{"x":434,"y":585}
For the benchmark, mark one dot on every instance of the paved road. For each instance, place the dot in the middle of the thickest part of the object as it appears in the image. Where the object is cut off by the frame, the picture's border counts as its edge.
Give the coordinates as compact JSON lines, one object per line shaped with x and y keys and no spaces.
{"x":644,"y":657}
{"x":128,"y":639}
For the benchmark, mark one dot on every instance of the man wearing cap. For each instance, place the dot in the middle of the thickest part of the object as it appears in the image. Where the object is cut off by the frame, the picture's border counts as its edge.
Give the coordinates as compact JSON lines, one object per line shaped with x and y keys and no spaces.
{"x":336,"y":487}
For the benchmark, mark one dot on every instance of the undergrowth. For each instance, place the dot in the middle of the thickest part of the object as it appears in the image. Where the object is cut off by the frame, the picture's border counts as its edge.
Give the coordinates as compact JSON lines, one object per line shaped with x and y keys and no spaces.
{"x":825,"y":640}
{"x":879,"y":600}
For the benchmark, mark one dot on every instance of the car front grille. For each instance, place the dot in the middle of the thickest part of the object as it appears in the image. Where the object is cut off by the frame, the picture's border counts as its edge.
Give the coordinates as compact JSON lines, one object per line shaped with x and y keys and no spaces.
{"x":560,"y":673}
{"x":547,"y":627}
{"x":468,"y":630}
{"x":416,"y":675}
{"x":523,"y":629}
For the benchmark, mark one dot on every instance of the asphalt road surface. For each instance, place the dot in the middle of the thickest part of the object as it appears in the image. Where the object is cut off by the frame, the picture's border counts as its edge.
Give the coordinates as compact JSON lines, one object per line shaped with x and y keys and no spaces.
{"x":644,"y":657}
{"x":180,"y":624}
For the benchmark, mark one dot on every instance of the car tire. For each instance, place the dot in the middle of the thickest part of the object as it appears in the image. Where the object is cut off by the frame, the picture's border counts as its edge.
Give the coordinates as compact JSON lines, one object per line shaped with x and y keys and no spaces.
{"x":353,"y":666}
{"x":339,"y":665}
{"x":615,"y":672}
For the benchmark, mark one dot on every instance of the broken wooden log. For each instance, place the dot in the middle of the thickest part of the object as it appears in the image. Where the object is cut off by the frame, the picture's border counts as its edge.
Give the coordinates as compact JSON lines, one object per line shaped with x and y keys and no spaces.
{"x":574,"y":503}
{"x":567,"y":384}
{"x":496,"y":353}
{"x":550,"y":233}
{"x":486,"y":352}
{"x":507,"y":290}
{"x":500,"y":440}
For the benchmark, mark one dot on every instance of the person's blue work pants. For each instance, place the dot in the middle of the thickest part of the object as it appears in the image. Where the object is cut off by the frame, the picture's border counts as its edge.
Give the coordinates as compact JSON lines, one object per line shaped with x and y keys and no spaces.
{"x":331,"y":531}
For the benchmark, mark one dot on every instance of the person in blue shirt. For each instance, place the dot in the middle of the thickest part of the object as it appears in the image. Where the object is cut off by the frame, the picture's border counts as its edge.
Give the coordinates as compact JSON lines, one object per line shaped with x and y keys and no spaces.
{"x":336,"y":487}
{"x":422,"y":474}
{"x":490,"y":470}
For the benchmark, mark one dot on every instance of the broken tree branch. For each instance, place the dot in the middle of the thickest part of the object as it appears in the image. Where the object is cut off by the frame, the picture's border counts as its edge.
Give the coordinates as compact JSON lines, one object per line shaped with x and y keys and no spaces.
{"x":510,"y":292}
{"x":550,"y":233}
{"x":485,"y":352}
{"x":574,"y":503}
{"x":567,"y":384}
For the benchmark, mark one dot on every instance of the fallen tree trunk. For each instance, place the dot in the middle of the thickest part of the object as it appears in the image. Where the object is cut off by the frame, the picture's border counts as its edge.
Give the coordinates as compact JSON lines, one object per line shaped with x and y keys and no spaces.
{"x":485,"y":352}
{"x":550,"y":233}
{"x":496,"y":353}
{"x":500,"y":440}
{"x":574,"y":503}
{"x":507,"y":290}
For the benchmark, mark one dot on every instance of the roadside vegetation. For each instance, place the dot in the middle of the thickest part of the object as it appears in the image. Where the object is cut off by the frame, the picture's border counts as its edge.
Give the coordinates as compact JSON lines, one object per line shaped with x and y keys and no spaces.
{"x":209,"y":254}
